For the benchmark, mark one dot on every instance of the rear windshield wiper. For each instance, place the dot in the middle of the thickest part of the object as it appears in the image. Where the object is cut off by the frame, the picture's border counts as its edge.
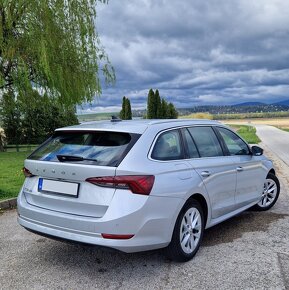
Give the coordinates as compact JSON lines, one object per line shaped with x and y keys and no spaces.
{"x":64,"y":158}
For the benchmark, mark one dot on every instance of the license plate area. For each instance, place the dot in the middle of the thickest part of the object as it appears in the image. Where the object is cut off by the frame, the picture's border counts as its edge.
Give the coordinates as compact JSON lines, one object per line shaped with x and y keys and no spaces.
{"x":58,"y":187}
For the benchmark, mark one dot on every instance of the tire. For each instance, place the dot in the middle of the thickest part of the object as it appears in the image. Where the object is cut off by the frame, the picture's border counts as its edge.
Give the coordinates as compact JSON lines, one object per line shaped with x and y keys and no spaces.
{"x":187,"y":230}
{"x":270,"y":193}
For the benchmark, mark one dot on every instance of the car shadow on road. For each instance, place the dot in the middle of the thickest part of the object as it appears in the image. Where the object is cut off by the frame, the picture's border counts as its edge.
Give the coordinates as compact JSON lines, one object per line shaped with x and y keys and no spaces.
{"x":108,"y":267}
{"x":234,"y":228}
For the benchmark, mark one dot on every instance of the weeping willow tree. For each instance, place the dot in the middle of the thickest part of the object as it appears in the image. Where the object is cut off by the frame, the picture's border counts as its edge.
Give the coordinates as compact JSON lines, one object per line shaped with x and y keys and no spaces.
{"x":51,"y":46}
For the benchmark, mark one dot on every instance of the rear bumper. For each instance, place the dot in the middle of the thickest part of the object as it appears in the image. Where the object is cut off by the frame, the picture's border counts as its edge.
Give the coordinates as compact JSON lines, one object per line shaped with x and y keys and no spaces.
{"x":150,"y":219}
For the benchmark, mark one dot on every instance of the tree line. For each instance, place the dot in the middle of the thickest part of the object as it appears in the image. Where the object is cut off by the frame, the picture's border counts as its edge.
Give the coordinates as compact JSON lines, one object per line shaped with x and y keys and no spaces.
{"x":157,"y":107}
{"x":34,"y":121}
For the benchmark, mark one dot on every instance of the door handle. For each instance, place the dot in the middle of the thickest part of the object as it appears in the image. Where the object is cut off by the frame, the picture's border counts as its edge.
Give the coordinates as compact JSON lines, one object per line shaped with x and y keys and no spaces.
{"x":205,"y":173}
{"x":239,"y":168}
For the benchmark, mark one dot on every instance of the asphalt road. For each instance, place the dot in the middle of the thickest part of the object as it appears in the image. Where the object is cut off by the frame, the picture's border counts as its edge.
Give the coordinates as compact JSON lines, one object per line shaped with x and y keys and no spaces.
{"x":276,"y":140}
{"x":250,"y":251}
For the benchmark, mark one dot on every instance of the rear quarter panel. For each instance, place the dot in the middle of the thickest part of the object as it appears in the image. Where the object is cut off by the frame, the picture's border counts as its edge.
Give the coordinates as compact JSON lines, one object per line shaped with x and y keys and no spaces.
{"x":173,"y":179}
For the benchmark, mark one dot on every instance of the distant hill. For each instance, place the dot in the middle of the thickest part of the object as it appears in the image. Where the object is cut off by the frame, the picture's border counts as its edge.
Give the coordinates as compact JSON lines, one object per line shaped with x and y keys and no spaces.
{"x":249,"y":107}
{"x":250,"y":104}
{"x":282,"y":103}
{"x":241,"y":108}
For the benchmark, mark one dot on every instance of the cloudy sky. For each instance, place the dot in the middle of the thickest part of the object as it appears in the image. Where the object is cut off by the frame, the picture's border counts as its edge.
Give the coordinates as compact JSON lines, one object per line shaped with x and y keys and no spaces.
{"x":196,"y":52}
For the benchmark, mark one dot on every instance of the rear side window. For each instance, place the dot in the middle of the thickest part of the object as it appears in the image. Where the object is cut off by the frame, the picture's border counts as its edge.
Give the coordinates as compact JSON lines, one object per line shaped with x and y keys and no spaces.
{"x":168,"y":146}
{"x":95,"y":148}
{"x":206,"y":141}
{"x":191,"y":147}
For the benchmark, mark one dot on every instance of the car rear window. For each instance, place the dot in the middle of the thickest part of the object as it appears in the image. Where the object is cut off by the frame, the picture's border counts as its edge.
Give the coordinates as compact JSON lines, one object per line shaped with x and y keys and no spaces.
{"x":95,"y":148}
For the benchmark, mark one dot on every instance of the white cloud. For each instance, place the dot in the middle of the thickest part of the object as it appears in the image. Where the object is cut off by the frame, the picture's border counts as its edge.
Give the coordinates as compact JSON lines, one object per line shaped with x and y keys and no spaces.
{"x":196,"y":52}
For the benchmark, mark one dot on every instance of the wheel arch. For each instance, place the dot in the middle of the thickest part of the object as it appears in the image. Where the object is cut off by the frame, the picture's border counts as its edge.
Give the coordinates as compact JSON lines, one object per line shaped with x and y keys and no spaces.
{"x":172,"y":251}
{"x":203,"y":199}
{"x":203,"y":202}
{"x":272,"y":170}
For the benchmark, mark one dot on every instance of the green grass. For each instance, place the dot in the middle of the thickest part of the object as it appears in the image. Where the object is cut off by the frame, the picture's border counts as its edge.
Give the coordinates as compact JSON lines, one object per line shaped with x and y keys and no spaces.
{"x":247,"y":132}
{"x":283,"y":129}
{"x":11,"y":176}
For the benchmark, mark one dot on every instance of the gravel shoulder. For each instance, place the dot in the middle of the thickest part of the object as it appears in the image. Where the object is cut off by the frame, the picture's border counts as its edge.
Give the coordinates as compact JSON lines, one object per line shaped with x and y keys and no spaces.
{"x":250,"y":251}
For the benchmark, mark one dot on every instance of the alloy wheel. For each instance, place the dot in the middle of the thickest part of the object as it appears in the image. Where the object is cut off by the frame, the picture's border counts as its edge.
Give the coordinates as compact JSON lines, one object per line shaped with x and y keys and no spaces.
{"x":190,"y":230}
{"x":269,"y":193}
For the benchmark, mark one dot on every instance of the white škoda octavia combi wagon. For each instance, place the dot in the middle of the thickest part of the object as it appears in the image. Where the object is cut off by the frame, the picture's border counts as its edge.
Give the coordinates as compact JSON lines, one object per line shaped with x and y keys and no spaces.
{"x":140,"y":185}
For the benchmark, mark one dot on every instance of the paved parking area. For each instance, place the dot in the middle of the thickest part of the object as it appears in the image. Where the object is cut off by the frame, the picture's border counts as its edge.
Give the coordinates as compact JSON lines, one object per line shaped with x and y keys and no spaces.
{"x":246,"y":252}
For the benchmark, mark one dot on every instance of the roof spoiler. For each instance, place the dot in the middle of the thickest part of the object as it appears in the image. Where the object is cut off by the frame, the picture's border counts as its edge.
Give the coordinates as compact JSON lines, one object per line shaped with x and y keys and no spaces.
{"x":115,"y":119}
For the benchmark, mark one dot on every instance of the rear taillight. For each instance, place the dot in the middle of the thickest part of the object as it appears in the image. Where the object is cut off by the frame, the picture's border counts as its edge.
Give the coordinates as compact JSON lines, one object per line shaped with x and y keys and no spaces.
{"x":26,"y":172}
{"x":140,"y":184}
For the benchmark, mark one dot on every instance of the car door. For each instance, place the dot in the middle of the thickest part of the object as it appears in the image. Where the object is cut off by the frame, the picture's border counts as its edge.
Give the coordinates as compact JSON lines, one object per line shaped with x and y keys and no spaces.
{"x":217,"y":171}
{"x":250,"y":172}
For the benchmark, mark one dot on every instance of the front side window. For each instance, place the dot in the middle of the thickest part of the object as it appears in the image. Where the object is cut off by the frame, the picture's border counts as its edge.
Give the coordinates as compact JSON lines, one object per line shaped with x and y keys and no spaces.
{"x":235,"y":145}
{"x":95,"y":148}
{"x":168,"y":146}
{"x":206,"y":141}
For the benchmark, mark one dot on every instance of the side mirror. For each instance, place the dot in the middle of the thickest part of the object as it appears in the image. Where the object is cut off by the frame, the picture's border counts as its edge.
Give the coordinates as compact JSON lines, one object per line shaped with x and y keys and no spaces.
{"x":257,"y":151}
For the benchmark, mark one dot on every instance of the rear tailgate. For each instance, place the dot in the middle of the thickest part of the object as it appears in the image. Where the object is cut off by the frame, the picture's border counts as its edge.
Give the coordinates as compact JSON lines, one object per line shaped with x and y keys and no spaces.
{"x":70,"y":194}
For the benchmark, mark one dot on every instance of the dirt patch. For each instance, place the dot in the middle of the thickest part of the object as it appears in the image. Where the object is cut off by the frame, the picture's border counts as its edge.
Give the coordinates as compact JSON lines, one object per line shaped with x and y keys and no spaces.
{"x":283,"y":260}
{"x":2,"y":211}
